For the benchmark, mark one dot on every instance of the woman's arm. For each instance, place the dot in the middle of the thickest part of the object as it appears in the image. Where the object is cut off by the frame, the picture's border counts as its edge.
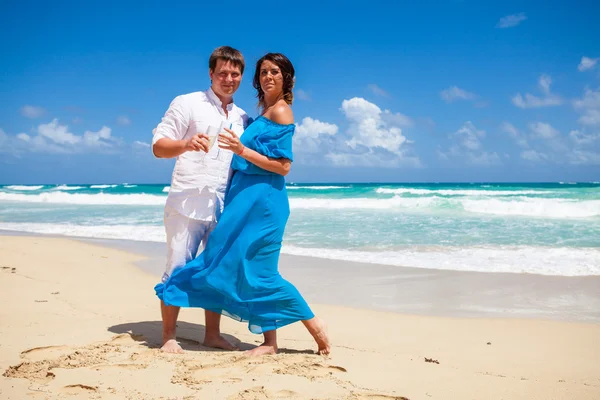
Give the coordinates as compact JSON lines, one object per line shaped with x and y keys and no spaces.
{"x":281,"y":114}
{"x":279,"y":166}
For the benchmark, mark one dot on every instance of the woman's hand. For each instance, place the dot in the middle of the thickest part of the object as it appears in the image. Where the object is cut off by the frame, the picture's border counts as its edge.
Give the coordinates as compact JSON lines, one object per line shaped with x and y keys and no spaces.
{"x":230,"y":142}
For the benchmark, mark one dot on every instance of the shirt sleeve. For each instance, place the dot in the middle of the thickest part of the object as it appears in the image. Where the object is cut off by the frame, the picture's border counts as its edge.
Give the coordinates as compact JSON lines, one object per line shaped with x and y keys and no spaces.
{"x":246,"y":120}
{"x":175,"y":122}
{"x":275,"y":142}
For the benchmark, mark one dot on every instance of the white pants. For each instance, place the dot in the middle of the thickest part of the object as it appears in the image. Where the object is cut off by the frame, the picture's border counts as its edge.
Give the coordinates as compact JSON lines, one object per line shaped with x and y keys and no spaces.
{"x":186,"y":238}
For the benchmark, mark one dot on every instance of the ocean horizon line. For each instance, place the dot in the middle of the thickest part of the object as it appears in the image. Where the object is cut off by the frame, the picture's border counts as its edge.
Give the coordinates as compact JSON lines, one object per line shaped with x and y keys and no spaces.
{"x":323,"y":183}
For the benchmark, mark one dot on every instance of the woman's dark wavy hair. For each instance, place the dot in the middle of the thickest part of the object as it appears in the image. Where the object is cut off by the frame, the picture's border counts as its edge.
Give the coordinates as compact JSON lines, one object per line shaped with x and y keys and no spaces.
{"x":287,"y":71}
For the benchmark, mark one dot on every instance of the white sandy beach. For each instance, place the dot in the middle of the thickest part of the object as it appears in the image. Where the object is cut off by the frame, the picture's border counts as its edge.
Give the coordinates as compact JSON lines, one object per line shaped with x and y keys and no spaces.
{"x":80,"y":320}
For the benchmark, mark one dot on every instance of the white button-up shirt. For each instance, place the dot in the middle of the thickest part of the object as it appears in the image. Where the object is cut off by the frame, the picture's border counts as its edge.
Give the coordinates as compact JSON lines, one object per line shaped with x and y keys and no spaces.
{"x":199,"y":179}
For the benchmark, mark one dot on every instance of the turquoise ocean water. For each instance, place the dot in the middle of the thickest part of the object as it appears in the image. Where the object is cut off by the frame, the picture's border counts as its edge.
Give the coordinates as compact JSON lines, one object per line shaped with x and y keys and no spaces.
{"x":539,"y":228}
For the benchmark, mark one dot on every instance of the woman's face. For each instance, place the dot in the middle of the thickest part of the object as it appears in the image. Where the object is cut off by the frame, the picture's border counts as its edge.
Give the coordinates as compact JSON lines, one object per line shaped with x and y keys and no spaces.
{"x":271,"y":79}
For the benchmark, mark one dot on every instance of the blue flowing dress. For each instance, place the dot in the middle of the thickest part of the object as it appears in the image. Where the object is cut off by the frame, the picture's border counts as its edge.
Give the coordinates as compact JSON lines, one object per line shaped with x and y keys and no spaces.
{"x":237,"y":273}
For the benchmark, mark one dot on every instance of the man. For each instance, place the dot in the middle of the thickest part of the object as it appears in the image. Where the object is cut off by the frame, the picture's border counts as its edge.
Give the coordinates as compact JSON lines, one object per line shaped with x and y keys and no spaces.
{"x":200,"y":176}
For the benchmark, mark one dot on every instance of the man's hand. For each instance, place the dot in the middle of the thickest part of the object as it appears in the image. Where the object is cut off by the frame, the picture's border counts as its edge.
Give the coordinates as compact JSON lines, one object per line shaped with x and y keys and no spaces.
{"x":198,"y":142}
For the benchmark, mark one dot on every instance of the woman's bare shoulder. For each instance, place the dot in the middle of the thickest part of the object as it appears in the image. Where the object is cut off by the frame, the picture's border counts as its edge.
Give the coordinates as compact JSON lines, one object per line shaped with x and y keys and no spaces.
{"x":282,"y":113}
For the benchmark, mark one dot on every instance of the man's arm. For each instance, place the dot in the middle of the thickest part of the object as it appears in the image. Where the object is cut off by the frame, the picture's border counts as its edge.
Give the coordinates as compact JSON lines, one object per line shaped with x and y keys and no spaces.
{"x":169,"y":148}
{"x":168,"y":141}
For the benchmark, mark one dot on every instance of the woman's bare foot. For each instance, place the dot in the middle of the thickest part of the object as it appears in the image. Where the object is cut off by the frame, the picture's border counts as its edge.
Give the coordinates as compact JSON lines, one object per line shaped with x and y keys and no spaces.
{"x":268,"y":347}
{"x":171,"y":346}
{"x":318,"y":329}
{"x":262,"y":350}
{"x":218,"y":342}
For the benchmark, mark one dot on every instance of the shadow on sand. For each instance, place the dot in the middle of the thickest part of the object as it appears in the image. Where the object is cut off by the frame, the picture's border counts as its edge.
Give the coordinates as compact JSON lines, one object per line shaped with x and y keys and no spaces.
{"x":189,"y":336}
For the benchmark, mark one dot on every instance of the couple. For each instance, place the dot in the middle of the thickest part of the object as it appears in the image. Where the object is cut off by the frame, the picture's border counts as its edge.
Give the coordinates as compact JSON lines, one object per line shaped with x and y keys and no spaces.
{"x":240,"y":184}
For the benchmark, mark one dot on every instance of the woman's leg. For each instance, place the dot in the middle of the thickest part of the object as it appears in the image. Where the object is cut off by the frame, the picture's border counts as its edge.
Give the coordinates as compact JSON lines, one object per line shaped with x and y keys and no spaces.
{"x":268,"y":347}
{"x":318,"y":329}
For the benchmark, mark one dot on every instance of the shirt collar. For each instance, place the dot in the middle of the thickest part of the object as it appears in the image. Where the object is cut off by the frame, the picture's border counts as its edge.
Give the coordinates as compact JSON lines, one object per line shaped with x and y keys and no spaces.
{"x":213,"y":98}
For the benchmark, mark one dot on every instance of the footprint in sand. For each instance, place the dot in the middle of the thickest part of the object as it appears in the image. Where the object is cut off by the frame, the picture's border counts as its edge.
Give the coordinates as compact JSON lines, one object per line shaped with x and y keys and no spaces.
{"x":121,"y":366}
{"x":282,"y":394}
{"x":79,"y":390}
{"x":254,"y":393}
{"x":45,"y":352}
{"x":306,"y":367}
{"x":127,"y":339}
{"x":378,"y":397}
{"x":12,"y":270}
{"x":40,"y":361}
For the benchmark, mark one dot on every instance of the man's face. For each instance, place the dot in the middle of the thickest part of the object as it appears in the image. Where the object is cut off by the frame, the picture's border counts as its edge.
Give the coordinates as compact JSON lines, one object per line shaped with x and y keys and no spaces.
{"x":226,"y":78}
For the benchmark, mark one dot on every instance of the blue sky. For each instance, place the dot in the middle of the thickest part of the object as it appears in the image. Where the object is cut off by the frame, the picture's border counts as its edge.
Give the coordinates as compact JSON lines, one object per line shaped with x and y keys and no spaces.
{"x":386,"y":91}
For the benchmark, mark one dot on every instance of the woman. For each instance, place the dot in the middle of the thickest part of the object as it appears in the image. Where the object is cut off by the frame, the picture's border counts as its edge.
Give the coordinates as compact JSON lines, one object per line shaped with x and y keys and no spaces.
{"x":237,"y":273}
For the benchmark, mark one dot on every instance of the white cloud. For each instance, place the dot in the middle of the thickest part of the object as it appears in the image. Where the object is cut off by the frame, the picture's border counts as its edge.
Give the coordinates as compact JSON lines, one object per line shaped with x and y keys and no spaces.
{"x":545,"y":143}
{"x":544,"y":84}
{"x":368,"y":129}
{"x":32,"y":111}
{"x":534,"y":155}
{"x":587,"y":63}
{"x":377,"y":90}
{"x":586,"y":148}
{"x":24,"y":137}
{"x":123,"y":120}
{"x":515,"y":134}
{"x":591,"y":99}
{"x":581,"y":138}
{"x":591,"y":117}
{"x":543,"y":130}
{"x":373,"y":138}
{"x":375,"y":158}
{"x":302,"y":95}
{"x":56,"y":138}
{"x":511,"y":21}
{"x":441,"y":155}
{"x":469,"y":136}
{"x":454,"y":151}
{"x":589,"y":107}
{"x":358,"y":109}
{"x":531,"y":101}
{"x":141,"y":144}
{"x":579,"y":157}
{"x":313,"y":128}
{"x":470,"y":147}
{"x":454,"y":93}
{"x":101,"y":138}
{"x":313,"y":135}
{"x":555,"y":148}
{"x":398,"y":119}
{"x":58,"y":133}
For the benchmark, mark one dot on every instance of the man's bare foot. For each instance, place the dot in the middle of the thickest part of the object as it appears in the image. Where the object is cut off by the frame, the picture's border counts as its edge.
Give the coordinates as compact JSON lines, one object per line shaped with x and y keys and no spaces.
{"x":321,"y":337}
{"x":218,"y":342}
{"x":171,"y":346}
{"x":262,"y":350}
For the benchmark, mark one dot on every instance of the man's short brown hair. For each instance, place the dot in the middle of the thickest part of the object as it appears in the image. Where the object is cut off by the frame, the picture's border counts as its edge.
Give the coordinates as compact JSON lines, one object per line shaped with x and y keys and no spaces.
{"x":226,"y":53}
